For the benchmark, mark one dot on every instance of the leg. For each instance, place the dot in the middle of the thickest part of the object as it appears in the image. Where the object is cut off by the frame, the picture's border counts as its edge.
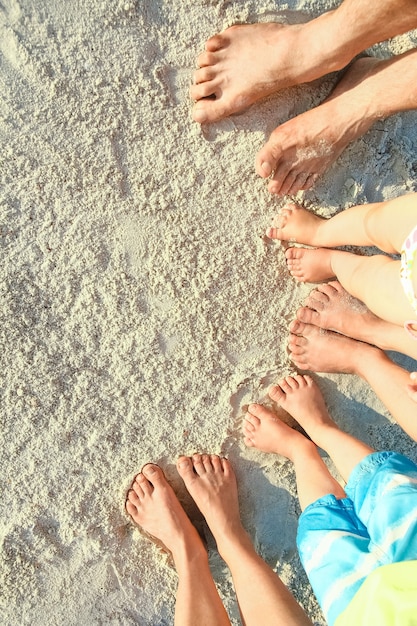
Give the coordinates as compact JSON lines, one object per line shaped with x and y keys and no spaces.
{"x":301,"y":149}
{"x":332,"y":541}
{"x":246,"y":63}
{"x":375,"y":280}
{"x":263,"y":598}
{"x":312,"y":348}
{"x":153,"y":505}
{"x":301,"y":398}
{"x":376,"y":224}
{"x":264,"y":431}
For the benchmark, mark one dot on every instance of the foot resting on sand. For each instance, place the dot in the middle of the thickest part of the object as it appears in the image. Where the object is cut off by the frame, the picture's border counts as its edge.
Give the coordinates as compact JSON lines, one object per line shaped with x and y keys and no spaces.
{"x":153,"y":505}
{"x":318,"y":350}
{"x":296,"y":224}
{"x":248,"y":62}
{"x":300,"y":397}
{"x":299,"y":151}
{"x":211,"y":482}
{"x":333,"y":308}
{"x":310,"y":266}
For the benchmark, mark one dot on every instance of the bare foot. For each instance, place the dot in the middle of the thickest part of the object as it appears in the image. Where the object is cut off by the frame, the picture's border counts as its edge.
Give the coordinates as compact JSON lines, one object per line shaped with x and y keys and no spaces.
{"x":295,"y":224}
{"x":211,"y":483}
{"x":310,"y":266}
{"x":318,"y":350}
{"x":299,"y":151}
{"x":301,"y":397}
{"x":263,"y":430}
{"x":248,"y":62}
{"x":332,"y":307}
{"x":153,"y":505}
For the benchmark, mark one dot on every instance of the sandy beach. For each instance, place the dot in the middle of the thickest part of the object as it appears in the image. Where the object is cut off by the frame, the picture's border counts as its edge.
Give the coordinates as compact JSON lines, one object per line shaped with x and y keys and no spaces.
{"x":142,"y":307}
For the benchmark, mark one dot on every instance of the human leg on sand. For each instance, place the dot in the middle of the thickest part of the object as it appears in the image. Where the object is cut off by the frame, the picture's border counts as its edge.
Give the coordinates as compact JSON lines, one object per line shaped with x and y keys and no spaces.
{"x":331,"y":539}
{"x":262,"y":597}
{"x":312,"y":348}
{"x":331,"y":307}
{"x":246,"y":63}
{"x":375,"y":280}
{"x":153,"y":505}
{"x":382,"y":224}
{"x":301,"y":149}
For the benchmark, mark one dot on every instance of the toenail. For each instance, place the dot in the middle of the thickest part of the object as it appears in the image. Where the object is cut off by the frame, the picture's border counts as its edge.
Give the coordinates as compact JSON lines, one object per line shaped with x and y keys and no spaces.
{"x":267,"y":168}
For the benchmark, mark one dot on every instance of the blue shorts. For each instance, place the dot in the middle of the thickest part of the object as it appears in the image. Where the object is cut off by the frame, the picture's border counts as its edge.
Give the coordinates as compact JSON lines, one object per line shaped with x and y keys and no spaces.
{"x":341,"y":541}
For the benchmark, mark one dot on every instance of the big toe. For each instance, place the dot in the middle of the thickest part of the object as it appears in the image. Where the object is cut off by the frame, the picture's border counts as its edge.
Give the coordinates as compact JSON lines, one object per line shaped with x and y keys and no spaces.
{"x":154,"y":474}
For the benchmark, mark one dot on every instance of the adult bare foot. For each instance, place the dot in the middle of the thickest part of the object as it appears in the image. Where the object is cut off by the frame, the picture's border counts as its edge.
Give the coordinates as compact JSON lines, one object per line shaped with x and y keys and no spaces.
{"x":302,"y":149}
{"x":153,"y":505}
{"x":309,"y":266}
{"x":318,"y":350}
{"x":295,"y":224}
{"x":331,"y":307}
{"x":211,"y":483}
{"x":248,"y":62}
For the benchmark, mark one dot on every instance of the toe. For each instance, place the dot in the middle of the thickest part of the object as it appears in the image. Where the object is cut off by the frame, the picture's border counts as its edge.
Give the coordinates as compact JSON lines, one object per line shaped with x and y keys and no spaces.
{"x":215,"y":43}
{"x":216,"y":463}
{"x":208,"y":465}
{"x":260,"y":412}
{"x":276,"y":393}
{"x":198,"y":464}
{"x":152,"y":475}
{"x":185,"y":469}
{"x":205,"y":59}
{"x":297,"y":327}
{"x":203,"y":74}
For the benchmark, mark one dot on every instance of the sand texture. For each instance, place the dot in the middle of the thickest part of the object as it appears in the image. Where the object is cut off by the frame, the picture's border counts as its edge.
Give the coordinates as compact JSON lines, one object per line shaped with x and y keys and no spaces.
{"x":141,"y":306}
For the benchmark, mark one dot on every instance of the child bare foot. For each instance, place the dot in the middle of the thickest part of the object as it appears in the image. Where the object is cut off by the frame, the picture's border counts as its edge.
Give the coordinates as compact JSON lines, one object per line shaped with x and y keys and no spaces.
{"x":310,"y":266}
{"x":211,"y":483}
{"x":248,"y":62}
{"x":153,"y":505}
{"x":300,"y":397}
{"x":263,"y":430}
{"x":295,"y":224}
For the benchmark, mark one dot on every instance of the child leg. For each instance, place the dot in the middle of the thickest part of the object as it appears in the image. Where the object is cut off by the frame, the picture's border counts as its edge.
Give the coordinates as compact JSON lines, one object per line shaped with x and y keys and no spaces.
{"x":383,"y":224}
{"x":375,"y":280}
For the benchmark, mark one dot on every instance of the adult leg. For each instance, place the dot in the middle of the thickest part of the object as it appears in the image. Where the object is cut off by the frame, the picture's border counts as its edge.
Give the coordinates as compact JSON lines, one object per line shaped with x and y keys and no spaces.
{"x":246,"y":63}
{"x":263,"y":598}
{"x":314,"y":349}
{"x":301,"y":149}
{"x":153,"y":505}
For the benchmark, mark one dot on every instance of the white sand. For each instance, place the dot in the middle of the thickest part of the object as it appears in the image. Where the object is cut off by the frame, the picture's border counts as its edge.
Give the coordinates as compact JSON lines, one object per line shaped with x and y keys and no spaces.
{"x":141,"y":309}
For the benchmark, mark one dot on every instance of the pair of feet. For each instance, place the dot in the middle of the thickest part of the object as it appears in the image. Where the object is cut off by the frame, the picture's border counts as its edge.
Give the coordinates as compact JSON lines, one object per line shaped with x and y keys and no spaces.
{"x":210,"y":480}
{"x":248,"y":62}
